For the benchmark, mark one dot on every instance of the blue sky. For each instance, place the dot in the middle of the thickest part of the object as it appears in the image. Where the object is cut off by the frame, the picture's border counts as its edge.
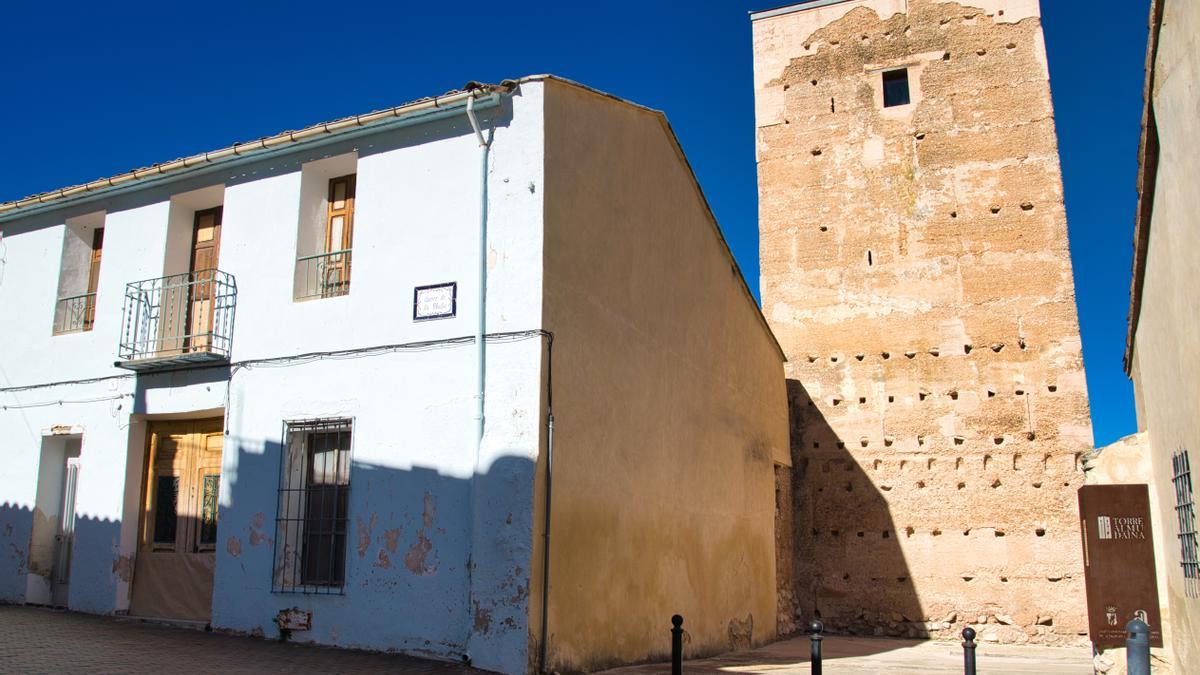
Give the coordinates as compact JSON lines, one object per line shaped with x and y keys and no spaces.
{"x":99,"y":88}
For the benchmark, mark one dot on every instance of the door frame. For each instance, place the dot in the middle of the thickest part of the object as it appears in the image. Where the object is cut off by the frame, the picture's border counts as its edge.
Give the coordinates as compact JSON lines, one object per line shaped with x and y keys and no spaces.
{"x":218,"y":213}
{"x":145,"y":505}
{"x":188,"y":525}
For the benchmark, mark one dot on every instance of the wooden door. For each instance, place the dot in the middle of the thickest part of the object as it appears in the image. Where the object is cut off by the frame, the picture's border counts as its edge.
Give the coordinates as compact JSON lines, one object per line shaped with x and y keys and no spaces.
{"x":206,"y":247}
{"x":89,"y":310}
{"x":173,"y":575}
{"x":339,"y":236}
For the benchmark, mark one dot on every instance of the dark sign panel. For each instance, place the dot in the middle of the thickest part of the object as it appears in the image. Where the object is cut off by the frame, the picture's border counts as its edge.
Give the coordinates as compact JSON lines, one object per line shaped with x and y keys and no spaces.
{"x":1118,"y":562}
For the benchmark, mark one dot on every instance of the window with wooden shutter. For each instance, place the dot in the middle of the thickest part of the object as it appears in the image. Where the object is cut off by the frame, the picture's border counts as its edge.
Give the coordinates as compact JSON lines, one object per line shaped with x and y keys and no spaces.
{"x":339,"y":235}
{"x":325,"y":228}
{"x":79,"y":274}
{"x":93,"y":277}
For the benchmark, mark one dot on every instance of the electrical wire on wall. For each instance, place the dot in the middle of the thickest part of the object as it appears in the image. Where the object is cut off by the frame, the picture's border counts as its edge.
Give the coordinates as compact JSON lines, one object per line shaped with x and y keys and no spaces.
{"x":301,"y":359}
{"x":363,"y":352}
{"x":63,"y":401}
{"x":63,"y":383}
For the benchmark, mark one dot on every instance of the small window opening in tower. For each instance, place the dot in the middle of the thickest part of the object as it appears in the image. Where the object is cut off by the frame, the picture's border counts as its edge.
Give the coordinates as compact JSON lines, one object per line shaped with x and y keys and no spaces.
{"x":895,"y":88}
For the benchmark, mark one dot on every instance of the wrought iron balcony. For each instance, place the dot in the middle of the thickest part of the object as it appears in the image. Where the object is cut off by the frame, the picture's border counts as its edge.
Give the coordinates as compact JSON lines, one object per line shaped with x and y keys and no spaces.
{"x":178,"y":320}
{"x":324,"y":275}
{"x":74,"y":314}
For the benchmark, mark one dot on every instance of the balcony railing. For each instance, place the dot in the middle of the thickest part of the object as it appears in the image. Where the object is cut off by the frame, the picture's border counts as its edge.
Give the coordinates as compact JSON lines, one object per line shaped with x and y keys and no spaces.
{"x":74,"y":314}
{"x":180,"y":319}
{"x":324,"y":275}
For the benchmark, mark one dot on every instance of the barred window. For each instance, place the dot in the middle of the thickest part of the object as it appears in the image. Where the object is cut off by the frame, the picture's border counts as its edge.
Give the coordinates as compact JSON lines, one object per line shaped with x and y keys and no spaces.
{"x":1185,"y":514}
{"x":314,"y":491}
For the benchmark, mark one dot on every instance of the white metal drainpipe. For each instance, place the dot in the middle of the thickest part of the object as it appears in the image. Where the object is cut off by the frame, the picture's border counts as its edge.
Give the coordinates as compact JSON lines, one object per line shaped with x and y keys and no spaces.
{"x":485,"y":146}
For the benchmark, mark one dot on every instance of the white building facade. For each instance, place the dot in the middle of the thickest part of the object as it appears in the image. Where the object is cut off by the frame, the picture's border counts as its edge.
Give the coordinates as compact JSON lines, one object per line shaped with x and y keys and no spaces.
{"x":253,"y":399}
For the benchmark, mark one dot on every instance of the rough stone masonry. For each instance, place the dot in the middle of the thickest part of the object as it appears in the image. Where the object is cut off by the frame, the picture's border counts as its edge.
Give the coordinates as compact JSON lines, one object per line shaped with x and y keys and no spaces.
{"x":915,"y":269}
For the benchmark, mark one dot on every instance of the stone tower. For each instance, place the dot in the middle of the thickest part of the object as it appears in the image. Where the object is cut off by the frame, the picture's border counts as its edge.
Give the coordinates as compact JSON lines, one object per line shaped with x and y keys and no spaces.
{"x":915,"y":269}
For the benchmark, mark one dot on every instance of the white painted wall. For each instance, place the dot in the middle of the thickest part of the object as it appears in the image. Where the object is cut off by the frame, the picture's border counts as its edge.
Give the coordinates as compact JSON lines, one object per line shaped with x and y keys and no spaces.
{"x":415,"y":224}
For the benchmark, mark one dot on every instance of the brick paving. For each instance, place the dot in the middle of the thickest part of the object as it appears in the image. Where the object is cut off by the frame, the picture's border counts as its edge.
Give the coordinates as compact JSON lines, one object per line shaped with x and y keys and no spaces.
{"x":37,"y":640}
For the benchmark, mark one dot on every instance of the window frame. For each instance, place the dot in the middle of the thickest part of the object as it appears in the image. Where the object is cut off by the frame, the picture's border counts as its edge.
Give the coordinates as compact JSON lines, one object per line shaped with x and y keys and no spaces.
{"x":884,"y":81}
{"x":293,"y":535}
{"x":75,"y":302}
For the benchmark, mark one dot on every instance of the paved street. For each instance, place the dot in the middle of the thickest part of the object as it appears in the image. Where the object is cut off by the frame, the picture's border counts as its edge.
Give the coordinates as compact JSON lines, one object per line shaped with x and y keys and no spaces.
{"x":858,"y":655}
{"x":39,"y":640}
{"x":35,"y":640}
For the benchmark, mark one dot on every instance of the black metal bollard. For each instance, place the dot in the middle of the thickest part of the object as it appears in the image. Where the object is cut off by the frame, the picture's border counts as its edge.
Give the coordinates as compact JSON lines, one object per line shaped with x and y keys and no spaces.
{"x":677,"y":645}
{"x":1137,"y":648}
{"x":968,"y":650}
{"x":816,"y":627}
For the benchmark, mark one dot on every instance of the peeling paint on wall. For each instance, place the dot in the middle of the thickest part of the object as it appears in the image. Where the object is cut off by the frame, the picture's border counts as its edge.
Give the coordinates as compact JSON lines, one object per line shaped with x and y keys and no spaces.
{"x":364,"y":534}
{"x":483,"y":620}
{"x":123,"y":567}
{"x":416,"y":560}
{"x":391,"y":538}
{"x":257,"y":538}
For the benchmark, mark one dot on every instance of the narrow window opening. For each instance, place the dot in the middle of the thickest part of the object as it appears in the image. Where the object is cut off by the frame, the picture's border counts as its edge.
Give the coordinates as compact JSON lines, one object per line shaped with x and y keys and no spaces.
{"x":314,"y":492}
{"x":166,"y":508}
{"x":1185,"y":516}
{"x":895,"y":88}
{"x":870,"y":259}
{"x":325,"y":240}
{"x":79,"y":274}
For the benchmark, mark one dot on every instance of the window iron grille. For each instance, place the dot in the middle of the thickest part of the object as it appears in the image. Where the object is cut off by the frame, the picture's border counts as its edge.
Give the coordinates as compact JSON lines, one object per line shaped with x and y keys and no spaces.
{"x":1185,"y":514}
{"x":208,"y":510}
{"x":311,"y":520}
{"x":75,"y":314}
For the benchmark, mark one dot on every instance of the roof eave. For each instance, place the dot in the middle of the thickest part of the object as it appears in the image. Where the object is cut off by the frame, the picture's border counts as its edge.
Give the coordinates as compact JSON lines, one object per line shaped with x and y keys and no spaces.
{"x":418,"y":112}
{"x":1146,"y":181}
